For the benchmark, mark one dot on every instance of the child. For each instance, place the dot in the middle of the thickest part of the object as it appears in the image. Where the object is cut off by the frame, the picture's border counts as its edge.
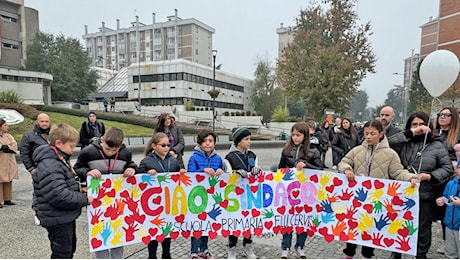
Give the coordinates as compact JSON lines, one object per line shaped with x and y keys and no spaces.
{"x":158,"y":159}
{"x":297,"y":153}
{"x":56,"y":190}
{"x":452,"y":216}
{"x":106,"y":155}
{"x":204,"y":159}
{"x":243,"y":162}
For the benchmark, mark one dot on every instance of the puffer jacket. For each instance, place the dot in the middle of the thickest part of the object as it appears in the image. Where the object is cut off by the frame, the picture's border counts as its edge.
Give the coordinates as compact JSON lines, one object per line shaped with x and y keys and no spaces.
{"x":200,"y":160}
{"x":236,"y":160}
{"x":154,"y":162}
{"x":452,"y":217}
{"x":450,"y":149}
{"x":29,"y":142}
{"x":312,"y":161}
{"x":432,"y":159}
{"x":57,"y":192}
{"x":385,"y":163}
{"x":342,"y":144}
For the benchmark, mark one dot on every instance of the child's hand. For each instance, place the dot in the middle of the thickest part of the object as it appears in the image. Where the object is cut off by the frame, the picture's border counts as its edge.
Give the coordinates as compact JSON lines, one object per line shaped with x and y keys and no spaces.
{"x":152,"y":171}
{"x":219,"y":172}
{"x":182,"y":171}
{"x":210,"y":171}
{"x":350,"y":175}
{"x":129,"y":172}
{"x":95,"y":173}
{"x":300,"y":165}
{"x":440,"y":201}
{"x":455,"y":200}
{"x":90,"y":200}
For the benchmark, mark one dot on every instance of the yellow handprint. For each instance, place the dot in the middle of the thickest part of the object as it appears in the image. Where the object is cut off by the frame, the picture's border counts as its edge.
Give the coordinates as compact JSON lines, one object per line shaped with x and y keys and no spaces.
{"x":339,"y":207}
{"x":376,"y":195}
{"x":233,"y":179}
{"x":117,"y":238}
{"x":97,"y":228}
{"x":410,"y":191}
{"x":116,"y":223}
{"x":142,"y":231}
{"x":278,"y":175}
{"x":300,"y":176}
{"x":118,"y":183}
{"x":135,"y":192}
{"x":365,"y":222}
{"x":395,"y":226}
{"x":322,"y":194}
{"x":107,"y":201}
{"x":325,"y":178}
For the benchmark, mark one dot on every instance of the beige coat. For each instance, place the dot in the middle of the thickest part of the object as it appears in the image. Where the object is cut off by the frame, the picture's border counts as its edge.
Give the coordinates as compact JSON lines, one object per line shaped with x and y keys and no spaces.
{"x":385,"y":163}
{"x":8,"y":165}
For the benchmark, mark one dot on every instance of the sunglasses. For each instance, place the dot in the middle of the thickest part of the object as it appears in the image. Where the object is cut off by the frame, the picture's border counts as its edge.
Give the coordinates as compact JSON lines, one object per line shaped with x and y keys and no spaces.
{"x":164,"y":145}
{"x":445,"y":114}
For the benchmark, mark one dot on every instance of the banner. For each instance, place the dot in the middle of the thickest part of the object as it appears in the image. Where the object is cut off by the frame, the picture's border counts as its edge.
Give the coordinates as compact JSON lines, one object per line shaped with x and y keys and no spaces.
{"x":373,"y":212}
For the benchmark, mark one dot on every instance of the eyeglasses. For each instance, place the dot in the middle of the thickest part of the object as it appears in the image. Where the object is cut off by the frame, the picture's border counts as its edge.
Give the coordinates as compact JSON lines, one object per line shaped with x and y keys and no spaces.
{"x":445,"y":114}
{"x":417,"y":124}
{"x":164,"y":145}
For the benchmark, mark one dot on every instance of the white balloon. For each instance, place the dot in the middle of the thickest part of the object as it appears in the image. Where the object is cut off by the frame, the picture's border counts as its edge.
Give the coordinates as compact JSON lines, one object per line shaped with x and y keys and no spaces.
{"x":438,"y":71}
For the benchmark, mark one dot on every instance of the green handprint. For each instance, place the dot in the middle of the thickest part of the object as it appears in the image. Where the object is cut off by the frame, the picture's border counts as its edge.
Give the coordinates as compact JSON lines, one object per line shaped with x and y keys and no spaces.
{"x":217,"y":198}
{"x":410,"y":226}
{"x":268,"y":214}
{"x":94,"y":185}
{"x":377,"y":206}
{"x":163,"y":178}
{"x":213,"y":181}
{"x":316,"y":220}
{"x":167,"y":229}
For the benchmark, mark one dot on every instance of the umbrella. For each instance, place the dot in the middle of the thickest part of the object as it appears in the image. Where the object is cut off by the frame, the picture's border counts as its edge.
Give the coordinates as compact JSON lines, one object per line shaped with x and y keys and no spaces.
{"x":11,"y":116}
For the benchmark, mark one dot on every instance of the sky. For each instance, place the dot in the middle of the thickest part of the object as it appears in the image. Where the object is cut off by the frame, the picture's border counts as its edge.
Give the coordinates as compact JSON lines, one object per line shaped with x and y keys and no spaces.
{"x":246,"y":30}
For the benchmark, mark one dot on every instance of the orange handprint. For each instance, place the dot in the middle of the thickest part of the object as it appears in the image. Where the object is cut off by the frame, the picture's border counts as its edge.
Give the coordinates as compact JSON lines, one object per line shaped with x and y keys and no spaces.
{"x":389,"y":206}
{"x":341,"y":226}
{"x":333,"y":198}
{"x":393,"y":189}
{"x":184,"y":179}
{"x":352,"y":234}
{"x":157,"y":221}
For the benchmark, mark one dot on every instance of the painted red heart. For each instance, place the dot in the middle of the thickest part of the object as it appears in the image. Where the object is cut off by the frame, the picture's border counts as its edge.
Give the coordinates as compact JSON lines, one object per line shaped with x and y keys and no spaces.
{"x":388,"y":241}
{"x":111,"y":193}
{"x":299,"y":209}
{"x":247,"y":233}
{"x":318,"y":208}
{"x":310,"y":232}
{"x":276,"y":229}
{"x":199,"y":178}
{"x":403,"y":232}
{"x":365,"y":236}
{"x":143,"y":185}
{"x":356,"y":203}
{"x":269,"y":177}
{"x":131,"y":180}
{"x":292,"y":210}
{"x":258,"y":231}
{"x":314,"y":178}
{"x":378,"y":184}
{"x":175,"y":177}
{"x":368,"y":208}
{"x":295,"y":193}
{"x":125,"y":194}
{"x":146,"y":239}
{"x":216,"y":226}
{"x":212,"y":234}
{"x":343,"y":236}
{"x":160,"y":238}
{"x":352,"y":184}
{"x":392,"y":215}
{"x":157,"y":200}
{"x":224,"y":204}
{"x":352,"y":224}
{"x":180,"y":218}
{"x":408,"y":215}
{"x":254,"y":188}
{"x":210,"y":190}
{"x":153,"y":231}
{"x":367,"y":184}
{"x":323,"y":231}
{"x":185,"y":234}
{"x":245,"y":213}
{"x":96,"y":203}
{"x":95,"y":243}
{"x":197,"y":234}
{"x":107,"y":183}
{"x":174,"y":235}
{"x":299,"y":229}
{"x":340,"y":216}
{"x":236,"y":233}
{"x":329,"y":237}
{"x":307,"y":208}
{"x":255,"y":213}
{"x":202,"y":215}
{"x":337,"y":181}
{"x":239,"y":190}
{"x":225,"y":233}
{"x":330,"y":188}
{"x":222,"y":184}
{"x":268,"y":224}
{"x":281,"y":210}
{"x":288,"y":229}
{"x":397,"y":201}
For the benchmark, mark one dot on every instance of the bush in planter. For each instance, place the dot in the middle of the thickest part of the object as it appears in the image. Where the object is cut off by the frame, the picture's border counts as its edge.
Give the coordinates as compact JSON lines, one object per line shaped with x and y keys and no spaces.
{"x":248,"y":113}
{"x":226,"y":113}
{"x":232,"y":113}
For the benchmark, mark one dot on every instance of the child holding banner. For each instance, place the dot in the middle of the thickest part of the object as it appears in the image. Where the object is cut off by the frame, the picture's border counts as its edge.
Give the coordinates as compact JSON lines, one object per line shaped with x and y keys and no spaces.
{"x":158,"y":159}
{"x":243,"y":162}
{"x":297,"y":153}
{"x":204,"y":159}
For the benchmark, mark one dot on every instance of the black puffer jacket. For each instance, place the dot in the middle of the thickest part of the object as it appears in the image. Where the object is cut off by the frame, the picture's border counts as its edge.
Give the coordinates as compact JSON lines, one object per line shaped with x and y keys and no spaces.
{"x":29,"y":142}
{"x":313,"y":160}
{"x":57,"y":193}
{"x":433,"y":157}
{"x":154,"y":161}
{"x":343,"y":143}
{"x":450,"y":149}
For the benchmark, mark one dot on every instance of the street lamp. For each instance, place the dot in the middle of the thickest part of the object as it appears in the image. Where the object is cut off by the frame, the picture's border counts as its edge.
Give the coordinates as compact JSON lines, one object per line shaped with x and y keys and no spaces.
{"x":404,"y":97}
{"x":214,"y":54}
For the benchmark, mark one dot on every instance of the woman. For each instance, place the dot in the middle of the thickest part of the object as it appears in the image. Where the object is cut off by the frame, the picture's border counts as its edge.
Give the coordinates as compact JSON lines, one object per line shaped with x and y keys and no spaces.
{"x":176,"y":138}
{"x":8,"y":165}
{"x":373,"y":158}
{"x":91,"y":130}
{"x":422,"y":152}
{"x":346,"y":140}
{"x":325,"y":130}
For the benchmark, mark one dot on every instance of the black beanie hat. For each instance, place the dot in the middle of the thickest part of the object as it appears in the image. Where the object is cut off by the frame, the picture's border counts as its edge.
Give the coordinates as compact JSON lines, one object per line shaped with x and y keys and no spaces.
{"x":239,"y":134}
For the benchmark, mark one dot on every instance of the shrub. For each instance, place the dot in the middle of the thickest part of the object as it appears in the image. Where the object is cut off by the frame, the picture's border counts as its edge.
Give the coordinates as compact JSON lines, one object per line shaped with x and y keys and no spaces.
{"x":226,"y":113}
{"x":25,"y":110}
{"x":10,"y":96}
{"x":232,"y":113}
{"x":189,"y":106}
{"x":248,"y":113}
{"x":281,"y":114}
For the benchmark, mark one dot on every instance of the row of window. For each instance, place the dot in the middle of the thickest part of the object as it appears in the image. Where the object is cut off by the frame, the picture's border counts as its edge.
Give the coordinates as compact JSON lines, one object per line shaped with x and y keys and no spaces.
{"x":196,"y":102}
{"x":186,"y":77}
{"x":20,"y":78}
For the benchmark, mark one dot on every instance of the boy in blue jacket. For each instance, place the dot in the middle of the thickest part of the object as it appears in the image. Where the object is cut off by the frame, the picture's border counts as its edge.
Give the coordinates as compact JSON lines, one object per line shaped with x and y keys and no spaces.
{"x":204,"y":159}
{"x":452,"y":218}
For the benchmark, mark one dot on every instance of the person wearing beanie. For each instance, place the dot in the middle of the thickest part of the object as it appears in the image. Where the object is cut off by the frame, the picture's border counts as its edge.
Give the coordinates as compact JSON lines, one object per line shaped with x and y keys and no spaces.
{"x":242,"y":161}
{"x":91,"y":129}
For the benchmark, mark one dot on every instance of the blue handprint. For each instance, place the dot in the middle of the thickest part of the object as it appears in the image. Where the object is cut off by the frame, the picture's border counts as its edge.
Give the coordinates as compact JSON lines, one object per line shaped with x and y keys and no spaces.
{"x":148,"y":178}
{"x":382,"y":222}
{"x":326,"y":206}
{"x":214,"y":212}
{"x":288,"y":175}
{"x":409,"y":203}
{"x":361,"y":195}
{"x":328,"y":217}
{"x":106,"y":232}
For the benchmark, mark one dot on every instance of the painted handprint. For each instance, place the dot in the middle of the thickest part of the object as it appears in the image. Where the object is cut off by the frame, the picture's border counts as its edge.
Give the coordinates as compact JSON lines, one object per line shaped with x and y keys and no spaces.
{"x":267,"y":214}
{"x":288,"y":175}
{"x":118,"y":183}
{"x":326,"y":206}
{"x":120,"y":204}
{"x":321,"y":194}
{"x":328,"y":217}
{"x":395,"y":226}
{"x":301,"y":176}
{"x":217,"y":197}
{"x":361,"y":195}
{"x":410,"y":191}
{"x":352,"y":234}
{"x":325,"y":179}
{"x":132,"y":204}
{"x":376,"y":239}
{"x":157,"y":221}
{"x":382,"y":222}
{"x":163,"y":178}
{"x":346,"y":194}
{"x":389,"y":206}
{"x":135,"y":192}
{"x":97,"y":228}
{"x":213,"y":181}
{"x":106,"y":201}
{"x":93,"y":186}
{"x":339,"y":228}
{"x":116,"y":223}
{"x":112,"y":212}
{"x":377,"y":206}
{"x":403,"y":243}
{"x":106,"y":233}
{"x":409,"y":203}
{"x":214,"y":212}
{"x":129,"y":231}
{"x":393,"y":189}
{"x":167,"y":229}
{"x":316,"y":220}
{"x":233,"y":178}
{"x":410,"y":225}
{"x":116,"y":240}
{"x":351,"y":212}
{"x":365,"y":222}
{"x":148,"y":178}
{"x":376,"y":195}
{"x":333,"y":198}
{"x":95,"y":216}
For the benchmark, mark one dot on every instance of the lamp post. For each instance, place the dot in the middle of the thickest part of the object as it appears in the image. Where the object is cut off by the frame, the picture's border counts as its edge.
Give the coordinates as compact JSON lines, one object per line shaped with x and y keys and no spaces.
{"x":404,"y":97}
{"x":214,"y":54}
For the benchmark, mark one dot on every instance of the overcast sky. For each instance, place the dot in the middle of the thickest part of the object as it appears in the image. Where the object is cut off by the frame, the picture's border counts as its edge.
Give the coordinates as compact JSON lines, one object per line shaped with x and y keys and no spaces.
{"x":246,"y":29}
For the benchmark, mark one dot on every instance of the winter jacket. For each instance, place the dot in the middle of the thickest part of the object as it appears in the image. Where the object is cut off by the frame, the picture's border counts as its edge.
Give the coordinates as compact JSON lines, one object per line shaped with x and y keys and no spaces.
{"x":154,"y":161}
{"x":385,"y":163}
{"x":87,"y":132}
{"x":391,"y":130}
{"x":433,"y":157}
{"x":57,"y":192}
{"x":92,"y":157}
{"x":236,"y":160}
{"x":450,"y":149}
{"x":343,"y":143}
{"x":8,"y":165}
{"x":176,"y":138}
{"x":312,"y":161}
{"x":31,"y":141}
{"x":200,"y":160}
{"x":452,"y":217}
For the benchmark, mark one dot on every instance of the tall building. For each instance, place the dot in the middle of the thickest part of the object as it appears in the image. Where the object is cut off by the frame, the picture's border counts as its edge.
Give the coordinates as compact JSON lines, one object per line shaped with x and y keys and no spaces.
{"x":285,"y":37}
{"x":175,"y":38}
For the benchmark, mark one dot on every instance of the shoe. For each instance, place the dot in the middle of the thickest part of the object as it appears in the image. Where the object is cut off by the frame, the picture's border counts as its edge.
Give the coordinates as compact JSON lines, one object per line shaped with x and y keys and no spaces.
{"x":300,"y":253}
{"x":9,"y":202}
{"x":395,"y":255}
{"x":231,"y":253}
{"x":285,"y":253}
{"x":334,"y":167}
{"x":247,"y":250}
{"x":36,"y":221}
{"x":1,"y":206}
{"x":194,"y":256}
{"x":440,"y":249}
{"x":205,"y":255}
{"x":346,"y":257}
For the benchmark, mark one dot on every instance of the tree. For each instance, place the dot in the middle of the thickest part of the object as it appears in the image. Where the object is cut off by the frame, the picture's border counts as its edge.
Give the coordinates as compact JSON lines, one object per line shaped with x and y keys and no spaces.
{"x":328,"y":57}
{"x":68,"y":62}
{"x":265,"y":95}
{"x":419,"y":98}
{"x":396,"y":101}
{"x":358,"y":103}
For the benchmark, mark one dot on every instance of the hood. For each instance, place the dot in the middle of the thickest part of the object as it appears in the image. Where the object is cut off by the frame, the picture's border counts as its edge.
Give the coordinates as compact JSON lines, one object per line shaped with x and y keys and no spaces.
{"x":46,"y":152}
{"x":37,"y":129}
{"x":198,"y":150}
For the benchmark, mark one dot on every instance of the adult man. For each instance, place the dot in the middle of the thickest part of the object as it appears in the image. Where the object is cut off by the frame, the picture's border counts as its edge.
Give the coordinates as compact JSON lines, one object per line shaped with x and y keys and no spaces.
{"x":387,"y":114}
{"x":31,"y":141}
{"x":335,"y":130}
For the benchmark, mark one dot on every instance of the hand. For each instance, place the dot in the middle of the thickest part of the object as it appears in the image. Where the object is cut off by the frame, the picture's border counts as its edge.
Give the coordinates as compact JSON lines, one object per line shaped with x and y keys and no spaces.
{"x":93,"y":139}
{"x":152,"y":172}
{"x":182,"y":171}
{"x":424,"y":177}
{"x":255,"y":171}
{"x":419,"y":130}
{"x":300,"y":165}
{"x":455,"y":200}
{"x":210,"y":171}
{"x":90,"y":200}
{"x":95,"y":173}
{"x":172,"y":153}
{"x":32,"y":171}
{"x":414,"y":181}
{"x":219,"y":172}
{"x":350,"y":175}
{"x":129,"y":172}
{"x":439,"y":201}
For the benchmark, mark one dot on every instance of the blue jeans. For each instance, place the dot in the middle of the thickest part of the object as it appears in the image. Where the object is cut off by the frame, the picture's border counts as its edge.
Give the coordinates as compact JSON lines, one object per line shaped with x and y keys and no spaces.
{"x":287,"y":239}
{"x":199,"y":245}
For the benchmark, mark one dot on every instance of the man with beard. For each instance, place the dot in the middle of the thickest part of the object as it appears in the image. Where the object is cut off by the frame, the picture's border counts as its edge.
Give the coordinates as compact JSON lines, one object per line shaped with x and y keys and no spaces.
{"x":31,"y":141}
{"x":387,"y":114}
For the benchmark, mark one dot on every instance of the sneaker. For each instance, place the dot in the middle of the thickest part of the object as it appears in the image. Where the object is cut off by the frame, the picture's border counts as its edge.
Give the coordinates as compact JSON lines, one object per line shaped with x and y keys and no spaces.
{"x":205,"y":255}
{"x":440,"y":249}
{"x":346,"y":257}
{"x":194,"y":256}
{"x":247,"y":250}
{"x":231,"y":253}
{"x":334,"y":167}
{"x":300,"y":253}
{"x":285,"y":253}
{"x":36,"y":221}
